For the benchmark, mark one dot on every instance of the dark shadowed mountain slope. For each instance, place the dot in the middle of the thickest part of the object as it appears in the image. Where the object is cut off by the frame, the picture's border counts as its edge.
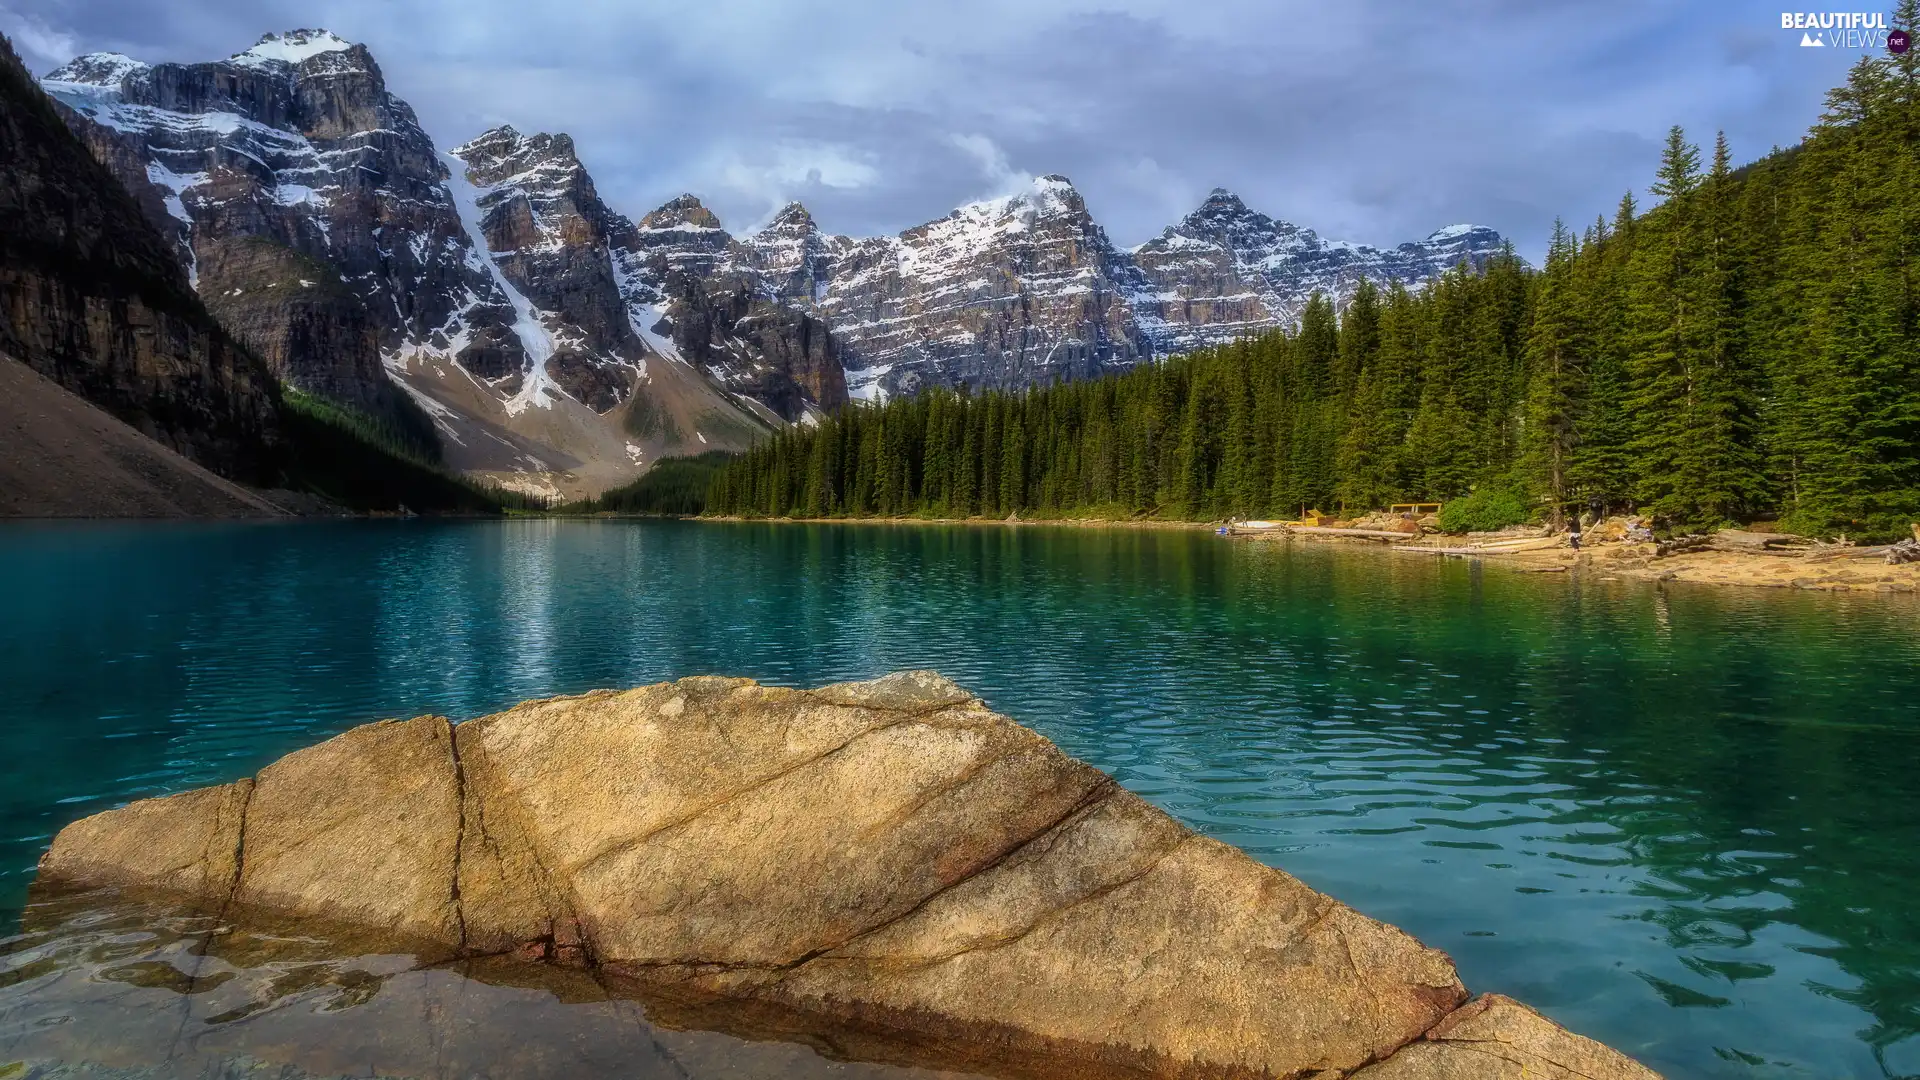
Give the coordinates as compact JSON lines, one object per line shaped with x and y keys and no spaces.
{"x":93,"y":298}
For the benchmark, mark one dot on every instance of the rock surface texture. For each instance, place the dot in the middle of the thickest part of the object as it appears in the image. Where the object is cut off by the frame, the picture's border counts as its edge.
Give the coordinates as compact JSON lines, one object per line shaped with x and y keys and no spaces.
{"x":885,"y":865}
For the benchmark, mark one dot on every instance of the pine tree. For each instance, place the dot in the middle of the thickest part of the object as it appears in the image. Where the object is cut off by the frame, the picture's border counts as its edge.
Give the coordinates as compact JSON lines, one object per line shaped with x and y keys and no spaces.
{"x":1665,"y":335}
{"x":966,"y":481}
{"x":1013,"y":457}
{"x":1556,"y":357}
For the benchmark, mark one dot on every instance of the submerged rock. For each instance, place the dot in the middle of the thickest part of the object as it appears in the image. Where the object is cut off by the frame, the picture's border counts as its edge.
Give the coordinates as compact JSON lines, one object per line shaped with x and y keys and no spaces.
{"x":886,"y":866}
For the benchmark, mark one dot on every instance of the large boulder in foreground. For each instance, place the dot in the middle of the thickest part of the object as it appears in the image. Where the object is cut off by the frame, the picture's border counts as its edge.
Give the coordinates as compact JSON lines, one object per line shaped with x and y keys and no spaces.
{"x":888,"y":864}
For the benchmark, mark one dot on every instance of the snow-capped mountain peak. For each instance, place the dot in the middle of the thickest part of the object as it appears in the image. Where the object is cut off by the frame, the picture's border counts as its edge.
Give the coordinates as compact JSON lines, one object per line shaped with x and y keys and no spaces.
{"x":1226,"y":269}
{"x":790,"y":256}
{"x":1044,"y":196}
{"x":791,"y":218}
{"x":1457,"y":241}
{"x":1224,"y":220}
{"x":1219,"y":201}
{"x":682,"y":212}
{"x":1054,"y":192}
{"x":789,"y":239}
{"x":291,"y":47}
{"x":540,"y":165}
{"x":101,"y":70}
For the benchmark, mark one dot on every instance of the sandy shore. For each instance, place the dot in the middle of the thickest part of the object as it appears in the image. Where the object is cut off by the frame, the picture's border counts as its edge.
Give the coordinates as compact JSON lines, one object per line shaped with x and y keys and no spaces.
{"x":1826,"y":571}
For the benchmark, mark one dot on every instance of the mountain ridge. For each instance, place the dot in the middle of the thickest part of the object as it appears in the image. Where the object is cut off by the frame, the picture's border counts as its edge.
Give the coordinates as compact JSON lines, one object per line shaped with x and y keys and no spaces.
{"x":561,"y":346}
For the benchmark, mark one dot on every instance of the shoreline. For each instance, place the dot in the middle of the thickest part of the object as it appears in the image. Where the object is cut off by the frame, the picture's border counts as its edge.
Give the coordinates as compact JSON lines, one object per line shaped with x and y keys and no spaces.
{"x":1078,"y":523}
{"x":1605,"y":561}
{"x":1828,"y":571}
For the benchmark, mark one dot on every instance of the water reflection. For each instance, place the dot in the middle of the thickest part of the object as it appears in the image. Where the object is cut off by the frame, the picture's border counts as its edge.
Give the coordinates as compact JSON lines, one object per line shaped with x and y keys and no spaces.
{"x":1684,"y":821}
{"x":105,"y":986}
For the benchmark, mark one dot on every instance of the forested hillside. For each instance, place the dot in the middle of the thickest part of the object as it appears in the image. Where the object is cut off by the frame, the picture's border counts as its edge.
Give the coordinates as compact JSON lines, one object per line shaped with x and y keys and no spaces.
{"x":674,"y":485}
{"x":1750,"y":347}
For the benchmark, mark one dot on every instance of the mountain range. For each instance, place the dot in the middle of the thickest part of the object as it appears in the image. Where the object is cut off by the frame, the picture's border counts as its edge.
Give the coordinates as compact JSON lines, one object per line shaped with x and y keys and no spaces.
{"x":120,"y":393}
{"x":560,"y":347}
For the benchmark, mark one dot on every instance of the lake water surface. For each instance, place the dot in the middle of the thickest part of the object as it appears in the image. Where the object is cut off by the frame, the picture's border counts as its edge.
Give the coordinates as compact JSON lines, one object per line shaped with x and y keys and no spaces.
{"x":1685,"y":821}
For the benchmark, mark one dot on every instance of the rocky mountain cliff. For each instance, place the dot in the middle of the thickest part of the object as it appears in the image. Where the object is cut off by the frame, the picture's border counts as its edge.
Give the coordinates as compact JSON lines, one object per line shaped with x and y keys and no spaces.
{"x":684,"y":280}
{"x":315,"y":216}
{"x":93,"y":299}
{"x":305,"y":201}
{"x":123,"y":390}
{"x":1226,"y":269}
{"x":1013,"y":291}
{"x":546,"y":229}
{"x":1027,"y":288}
{"x":559,"y":346}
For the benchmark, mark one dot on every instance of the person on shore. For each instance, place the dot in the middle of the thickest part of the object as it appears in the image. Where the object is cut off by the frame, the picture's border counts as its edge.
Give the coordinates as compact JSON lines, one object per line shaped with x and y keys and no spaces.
{"x":1573,"y":531}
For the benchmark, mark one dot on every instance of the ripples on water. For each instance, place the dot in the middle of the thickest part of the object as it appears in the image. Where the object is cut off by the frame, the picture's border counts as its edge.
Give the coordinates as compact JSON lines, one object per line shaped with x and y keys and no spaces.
{"x":1684,"y":821}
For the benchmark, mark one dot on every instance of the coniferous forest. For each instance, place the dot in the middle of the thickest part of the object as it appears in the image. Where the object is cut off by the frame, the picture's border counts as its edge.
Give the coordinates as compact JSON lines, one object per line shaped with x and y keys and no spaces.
{"x":1748,"y":347}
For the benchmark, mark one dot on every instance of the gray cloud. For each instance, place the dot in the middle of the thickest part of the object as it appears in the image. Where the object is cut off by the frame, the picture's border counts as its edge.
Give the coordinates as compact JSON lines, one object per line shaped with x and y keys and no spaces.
{"x":1375,"y":122}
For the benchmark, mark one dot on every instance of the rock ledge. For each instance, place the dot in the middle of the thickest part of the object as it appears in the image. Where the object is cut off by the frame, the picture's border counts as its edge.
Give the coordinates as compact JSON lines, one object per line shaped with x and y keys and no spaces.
{"x":885,"y":866}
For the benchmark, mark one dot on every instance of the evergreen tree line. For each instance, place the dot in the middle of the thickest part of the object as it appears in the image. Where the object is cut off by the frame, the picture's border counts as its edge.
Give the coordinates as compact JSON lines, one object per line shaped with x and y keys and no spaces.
{"x":1749,"y":347}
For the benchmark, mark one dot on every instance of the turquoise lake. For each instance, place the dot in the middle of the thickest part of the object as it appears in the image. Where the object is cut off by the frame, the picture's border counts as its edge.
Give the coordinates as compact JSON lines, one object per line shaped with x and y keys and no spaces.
{"x":1682,"y":820}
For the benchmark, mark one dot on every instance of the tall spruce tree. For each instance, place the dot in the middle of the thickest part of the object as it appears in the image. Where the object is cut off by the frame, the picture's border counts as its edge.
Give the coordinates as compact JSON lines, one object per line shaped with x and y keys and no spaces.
{"x":1556,"y":356}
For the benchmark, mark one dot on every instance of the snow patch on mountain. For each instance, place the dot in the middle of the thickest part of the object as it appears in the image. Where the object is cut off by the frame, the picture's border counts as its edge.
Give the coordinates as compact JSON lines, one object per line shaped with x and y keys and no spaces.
{"x":863,"y":384}
{"x":176,"y":186}
{"x":537,"y":387}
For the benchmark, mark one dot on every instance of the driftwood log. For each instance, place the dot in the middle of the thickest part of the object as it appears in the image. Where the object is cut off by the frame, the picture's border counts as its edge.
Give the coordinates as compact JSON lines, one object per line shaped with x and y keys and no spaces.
{"x":1752,"y":543}
{"x":1761,"y":543}
{"x":1367,"y":534}
{"x":1680,"y":544}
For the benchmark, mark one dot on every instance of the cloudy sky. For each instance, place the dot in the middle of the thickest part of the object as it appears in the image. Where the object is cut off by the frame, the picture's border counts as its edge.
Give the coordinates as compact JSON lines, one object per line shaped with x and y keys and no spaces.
{"x":1374,"y":122}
